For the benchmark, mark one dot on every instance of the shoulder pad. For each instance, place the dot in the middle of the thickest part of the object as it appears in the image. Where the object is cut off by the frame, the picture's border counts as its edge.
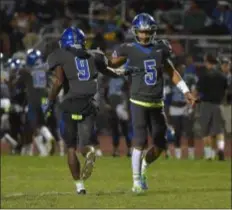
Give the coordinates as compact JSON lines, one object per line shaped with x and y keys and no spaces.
{"x":98,"y":55}
{"x":96,"y":51}
{"x":131,"y":44}
{"x":165,"y":44}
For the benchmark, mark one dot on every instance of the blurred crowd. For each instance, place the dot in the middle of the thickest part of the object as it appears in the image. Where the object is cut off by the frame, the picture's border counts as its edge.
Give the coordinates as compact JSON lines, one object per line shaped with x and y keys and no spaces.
{"x":24,"y":22}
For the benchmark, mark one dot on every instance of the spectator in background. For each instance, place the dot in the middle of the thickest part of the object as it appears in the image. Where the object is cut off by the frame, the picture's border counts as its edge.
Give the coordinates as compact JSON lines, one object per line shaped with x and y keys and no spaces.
{"x":30,"y":39}
{"x":4,"y":43}
{"x":44,"y":10}
{"x":211,"y":89}
{"x":227,"y":106}
{"x":99,"y":41}
{"x":22,"y":20}
{"x":190,"y":67}
{"x":194,"y":18}
{"x":177,"y":47}
{"x":15,"y":36}
{"x":180,"y":114}
{"x":220,"y":17}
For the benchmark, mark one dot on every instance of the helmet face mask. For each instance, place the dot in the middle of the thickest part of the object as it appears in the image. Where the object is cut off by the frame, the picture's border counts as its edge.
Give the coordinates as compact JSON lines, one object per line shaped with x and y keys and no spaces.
{"x":144,"y":37}
{"x":144,"y":29}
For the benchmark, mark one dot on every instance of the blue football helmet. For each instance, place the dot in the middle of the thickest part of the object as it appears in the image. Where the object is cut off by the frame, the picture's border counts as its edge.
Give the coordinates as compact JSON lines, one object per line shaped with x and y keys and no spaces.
{"x":144,"y":22}
{"x":34,"y":58}
{"x":14,"y":64}
{"x":72,"y":37}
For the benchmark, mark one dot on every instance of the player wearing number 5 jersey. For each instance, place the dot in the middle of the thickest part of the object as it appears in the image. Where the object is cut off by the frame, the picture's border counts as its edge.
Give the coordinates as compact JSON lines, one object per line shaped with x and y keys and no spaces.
{"x":76,"y":70}
{"x":151,"y":57}
{"x":34,"y":78}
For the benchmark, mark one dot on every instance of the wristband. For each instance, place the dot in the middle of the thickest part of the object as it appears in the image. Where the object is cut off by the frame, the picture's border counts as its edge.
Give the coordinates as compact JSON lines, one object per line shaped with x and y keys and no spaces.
{"x":181,"y":85}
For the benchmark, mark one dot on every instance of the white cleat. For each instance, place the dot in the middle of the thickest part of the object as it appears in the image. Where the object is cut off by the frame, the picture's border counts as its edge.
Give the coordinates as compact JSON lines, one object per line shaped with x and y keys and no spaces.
{"x":89,"y":163}
{"x":137,"y":189}
{"x":99,"y":153}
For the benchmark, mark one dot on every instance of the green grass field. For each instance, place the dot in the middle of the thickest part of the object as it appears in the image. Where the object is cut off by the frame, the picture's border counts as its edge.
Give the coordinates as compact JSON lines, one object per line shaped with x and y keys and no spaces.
{"x":34,"y":182}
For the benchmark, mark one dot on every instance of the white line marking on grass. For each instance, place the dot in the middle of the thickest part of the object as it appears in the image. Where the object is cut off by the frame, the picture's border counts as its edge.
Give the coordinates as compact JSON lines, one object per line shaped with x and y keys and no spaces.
{"x":21,"y":194}
{"x":54,"y":193}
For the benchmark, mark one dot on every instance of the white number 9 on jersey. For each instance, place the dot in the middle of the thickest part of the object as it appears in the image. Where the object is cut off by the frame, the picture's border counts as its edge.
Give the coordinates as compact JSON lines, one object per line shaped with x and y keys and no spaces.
{"x":82,"y":67}
{"x":150,"y":77}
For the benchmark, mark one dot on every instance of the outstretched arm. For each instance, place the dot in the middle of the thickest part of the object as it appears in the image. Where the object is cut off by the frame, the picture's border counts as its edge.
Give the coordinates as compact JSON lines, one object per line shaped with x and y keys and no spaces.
{"x":179,"y":82}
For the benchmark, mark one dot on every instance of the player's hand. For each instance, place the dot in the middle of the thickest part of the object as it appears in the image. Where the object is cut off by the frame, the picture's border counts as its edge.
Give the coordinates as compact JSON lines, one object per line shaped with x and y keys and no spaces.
{"x":119,"y":71}
{"x":47,"y":107}
{"x":190,"y":99}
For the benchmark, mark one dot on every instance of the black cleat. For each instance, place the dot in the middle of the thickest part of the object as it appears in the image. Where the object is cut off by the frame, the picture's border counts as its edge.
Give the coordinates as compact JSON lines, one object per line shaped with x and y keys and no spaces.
{"x":81,"y":192}
{"x":221,"y":156}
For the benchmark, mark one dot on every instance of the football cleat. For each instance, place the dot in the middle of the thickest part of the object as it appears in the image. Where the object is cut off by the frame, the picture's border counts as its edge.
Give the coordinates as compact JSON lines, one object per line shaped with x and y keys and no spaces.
{"x":144,"y":181}
{"x":137,"y":189}
{"x":89,"y":163}
{"x":81,"y":192}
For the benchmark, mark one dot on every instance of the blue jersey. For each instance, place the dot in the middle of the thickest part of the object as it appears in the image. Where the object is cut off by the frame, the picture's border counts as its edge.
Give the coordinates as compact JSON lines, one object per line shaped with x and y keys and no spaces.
{"x":115,"y":86}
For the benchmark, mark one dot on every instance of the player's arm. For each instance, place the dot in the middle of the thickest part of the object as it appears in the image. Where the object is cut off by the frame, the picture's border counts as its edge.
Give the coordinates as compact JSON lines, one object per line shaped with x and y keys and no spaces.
{"x":56,"y":80}
{"x":119,"y":57}
{"x":56,"y":83}
{"x":173,"y":73}
{"x":102,"y":65}
{"x":179,"y":82}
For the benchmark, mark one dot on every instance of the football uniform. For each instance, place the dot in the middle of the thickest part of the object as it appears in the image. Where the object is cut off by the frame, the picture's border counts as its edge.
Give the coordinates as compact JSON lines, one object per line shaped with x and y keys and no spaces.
{"x":35,"y":82}
{"x":146,"y":94}
{"x":78,"y":104}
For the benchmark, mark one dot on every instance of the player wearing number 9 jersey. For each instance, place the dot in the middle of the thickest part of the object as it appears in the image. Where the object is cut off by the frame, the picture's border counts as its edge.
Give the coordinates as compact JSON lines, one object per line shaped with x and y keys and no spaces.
{"x":151,"y":57}
{"x":76,"y":70}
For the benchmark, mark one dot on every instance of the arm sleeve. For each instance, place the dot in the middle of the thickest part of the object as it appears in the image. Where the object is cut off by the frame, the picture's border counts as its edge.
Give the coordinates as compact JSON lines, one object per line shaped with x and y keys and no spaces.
{"x":53,"y":60}
{"x":121,"y":50}
{"x":167,"y":49}
{"x":101,"y":64}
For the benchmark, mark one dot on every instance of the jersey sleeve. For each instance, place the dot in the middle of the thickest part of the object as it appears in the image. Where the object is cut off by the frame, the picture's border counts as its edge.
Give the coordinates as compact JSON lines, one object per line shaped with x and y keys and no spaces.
{"x":53,"y":60}
{"x":166,"y":48}
{"x":101,"y":61}
{"x":122,"y":50}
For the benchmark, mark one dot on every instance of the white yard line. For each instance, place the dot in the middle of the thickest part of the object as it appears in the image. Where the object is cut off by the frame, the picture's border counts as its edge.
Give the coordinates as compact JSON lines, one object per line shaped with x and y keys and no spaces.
{"x":21,"y":194}
{"x":54,"y":193}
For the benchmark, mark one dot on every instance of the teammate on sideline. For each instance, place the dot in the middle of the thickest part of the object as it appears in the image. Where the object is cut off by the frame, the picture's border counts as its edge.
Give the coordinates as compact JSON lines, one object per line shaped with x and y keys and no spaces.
{"x":76,"y":70}
{"x":152,"y":57}
{"x":116,"y":97}
{"x":34,"y":78}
